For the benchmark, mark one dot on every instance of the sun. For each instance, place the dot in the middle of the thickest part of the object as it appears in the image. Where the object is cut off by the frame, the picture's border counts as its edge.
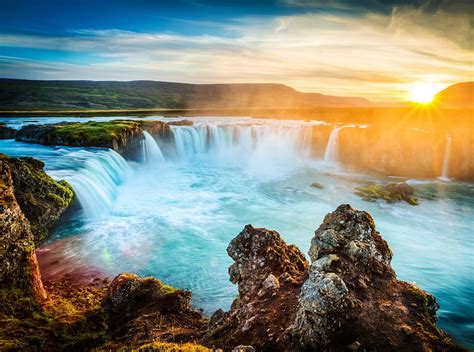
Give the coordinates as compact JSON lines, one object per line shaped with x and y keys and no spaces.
{"x":423,"y":93}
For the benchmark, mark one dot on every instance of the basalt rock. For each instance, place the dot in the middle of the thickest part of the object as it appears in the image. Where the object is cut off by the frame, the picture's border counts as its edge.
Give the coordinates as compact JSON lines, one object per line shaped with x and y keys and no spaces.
{"x":41,"y":199}
{"x":184,"y":122}
{"x":352,"y":298}
{"x":269,"y":274}
{"x":143,"y":310}
{"x":18,"y":264}
{"x":7,"y":132}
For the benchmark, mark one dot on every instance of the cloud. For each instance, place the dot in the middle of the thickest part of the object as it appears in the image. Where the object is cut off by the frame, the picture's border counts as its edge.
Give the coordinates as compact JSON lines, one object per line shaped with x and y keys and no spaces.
{"x":375,"y":55}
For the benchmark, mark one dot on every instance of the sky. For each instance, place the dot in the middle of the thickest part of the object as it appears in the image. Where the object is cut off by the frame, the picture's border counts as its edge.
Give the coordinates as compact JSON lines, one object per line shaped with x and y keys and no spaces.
{"x":375,"y":49}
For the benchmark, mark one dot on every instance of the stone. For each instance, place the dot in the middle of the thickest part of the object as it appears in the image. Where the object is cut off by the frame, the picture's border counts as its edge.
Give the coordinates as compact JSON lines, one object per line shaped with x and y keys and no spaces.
{"x":317,"y":185}
{"x":243,"y":348}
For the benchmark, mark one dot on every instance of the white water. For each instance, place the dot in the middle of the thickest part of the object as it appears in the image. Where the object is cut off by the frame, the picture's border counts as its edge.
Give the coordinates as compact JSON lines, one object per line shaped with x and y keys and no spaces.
{"x":447,"y":152}
{"x":264,"y":150}
{"x":174,"y":220}
{"x":332,"y":149}
{"x":151,"y":150}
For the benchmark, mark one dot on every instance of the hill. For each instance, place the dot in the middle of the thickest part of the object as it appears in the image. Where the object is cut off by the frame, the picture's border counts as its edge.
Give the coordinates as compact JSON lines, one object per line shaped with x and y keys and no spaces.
{"x":104,"y":95}
{"x":459,"y":95}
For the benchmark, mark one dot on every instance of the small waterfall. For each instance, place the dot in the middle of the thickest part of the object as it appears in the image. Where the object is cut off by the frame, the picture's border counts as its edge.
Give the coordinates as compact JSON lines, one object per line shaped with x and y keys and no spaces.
{"x":96,"y":182}
{"x":447,"y":152}
{"x":332,"y":149}
{"x":151,"y":151}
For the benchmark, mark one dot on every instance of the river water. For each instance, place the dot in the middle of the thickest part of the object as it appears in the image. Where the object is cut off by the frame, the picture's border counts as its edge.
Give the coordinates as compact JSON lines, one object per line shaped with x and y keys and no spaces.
{"x":173,"y":214}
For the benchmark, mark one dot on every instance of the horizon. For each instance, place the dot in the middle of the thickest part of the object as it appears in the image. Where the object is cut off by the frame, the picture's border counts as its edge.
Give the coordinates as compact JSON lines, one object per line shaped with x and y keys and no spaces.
{"x":371,"y":50}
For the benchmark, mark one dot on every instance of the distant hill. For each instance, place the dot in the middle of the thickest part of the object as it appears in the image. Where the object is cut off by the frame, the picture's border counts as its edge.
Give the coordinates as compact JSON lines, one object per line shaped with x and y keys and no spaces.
{"x":460,"y":95}
{"x":104,"y":95}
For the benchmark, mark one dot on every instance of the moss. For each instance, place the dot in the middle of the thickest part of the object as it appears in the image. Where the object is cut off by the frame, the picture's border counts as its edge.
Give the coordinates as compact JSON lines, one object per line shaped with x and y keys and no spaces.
{"x":391,"y":193}
{"x":95,"y":133}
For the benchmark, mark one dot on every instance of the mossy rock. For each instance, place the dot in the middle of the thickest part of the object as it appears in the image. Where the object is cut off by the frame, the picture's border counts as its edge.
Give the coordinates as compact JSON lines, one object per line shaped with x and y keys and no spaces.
{"x":391,"y":193}
{"x":171,"y":347}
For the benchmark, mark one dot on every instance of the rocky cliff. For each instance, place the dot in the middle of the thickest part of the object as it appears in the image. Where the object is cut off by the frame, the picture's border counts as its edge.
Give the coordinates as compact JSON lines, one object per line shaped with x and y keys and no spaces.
{"x":123,"y":136}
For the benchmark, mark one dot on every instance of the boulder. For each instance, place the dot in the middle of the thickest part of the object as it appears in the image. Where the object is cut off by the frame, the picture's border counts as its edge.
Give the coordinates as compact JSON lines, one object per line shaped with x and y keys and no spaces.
{"x":269,"y":274}
{"x":352,"y":298}
{"x":41,"y":199}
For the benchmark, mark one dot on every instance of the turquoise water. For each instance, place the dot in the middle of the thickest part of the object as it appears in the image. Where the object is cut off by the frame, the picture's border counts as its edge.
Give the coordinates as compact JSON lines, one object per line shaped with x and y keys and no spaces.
{"x":173,"y":219}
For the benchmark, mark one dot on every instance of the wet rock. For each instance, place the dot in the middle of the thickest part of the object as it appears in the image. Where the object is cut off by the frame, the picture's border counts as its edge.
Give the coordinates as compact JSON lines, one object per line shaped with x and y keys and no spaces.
{"x":391,"y":193}
{"x":269,"y":274}
{"x":317,"y":185}
{"x":352,"y":297}
{"x":7,"y":132}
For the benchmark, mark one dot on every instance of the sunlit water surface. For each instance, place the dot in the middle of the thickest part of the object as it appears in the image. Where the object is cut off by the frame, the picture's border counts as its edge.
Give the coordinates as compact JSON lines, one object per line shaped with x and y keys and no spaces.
{"x":174,"y":219}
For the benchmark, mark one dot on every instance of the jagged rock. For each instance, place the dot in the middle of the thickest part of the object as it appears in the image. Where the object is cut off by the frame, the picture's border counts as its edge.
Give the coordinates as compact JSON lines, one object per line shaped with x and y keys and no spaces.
{"x":352,"y":298}
{"x":144,"y":309}
{"x":18,"y":264}
{"x":41,"y":199}
{"x":123,"y":136}
{"x":7,"y":132}
{"x":269,"y":274}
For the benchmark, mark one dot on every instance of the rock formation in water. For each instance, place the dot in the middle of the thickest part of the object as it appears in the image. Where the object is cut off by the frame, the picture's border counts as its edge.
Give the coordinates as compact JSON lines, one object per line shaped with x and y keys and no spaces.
{"x":7,"y":132}
{"x":352,"y":298}
{"x":348,"y":299}
{"x":391,"y":193}
{"x":269,"y":274}
{"x":184,"y":122}
{"x":123,"y":136}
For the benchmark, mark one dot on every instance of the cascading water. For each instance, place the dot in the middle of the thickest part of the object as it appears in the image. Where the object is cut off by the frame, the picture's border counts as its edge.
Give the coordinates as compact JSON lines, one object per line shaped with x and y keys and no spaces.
{"x":151,"y":150}
{"x":332,"y":149}
{"x":263,"y":149}
{"x":95,"y":183}
{"x":447,"y":152}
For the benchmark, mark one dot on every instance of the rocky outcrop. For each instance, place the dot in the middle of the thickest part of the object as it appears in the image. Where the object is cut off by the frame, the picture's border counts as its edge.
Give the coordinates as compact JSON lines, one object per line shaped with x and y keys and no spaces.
{"x":7,"y":132}
{"x":352,"y":298}
{"x":123,"y":136}
{"x":18,"y":264}
{"x":143,"y":310}
{"x":41,"y":199}
{"x":184,"y":122}
{"x":269,"y":274}
{"x":390,"y":192}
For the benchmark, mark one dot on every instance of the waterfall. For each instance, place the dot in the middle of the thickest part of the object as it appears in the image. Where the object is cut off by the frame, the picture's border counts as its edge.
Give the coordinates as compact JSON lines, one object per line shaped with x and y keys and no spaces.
{"x":260,"y":148}
{"x":332,"y":149}
{"x":447,"y":152}
{"x":151,"y":151}
{"x":96,"y":181}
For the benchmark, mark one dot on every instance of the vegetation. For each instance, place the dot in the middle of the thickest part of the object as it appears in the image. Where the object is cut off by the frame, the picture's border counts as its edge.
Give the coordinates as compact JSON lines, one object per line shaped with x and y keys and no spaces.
{"x":391,"y":193}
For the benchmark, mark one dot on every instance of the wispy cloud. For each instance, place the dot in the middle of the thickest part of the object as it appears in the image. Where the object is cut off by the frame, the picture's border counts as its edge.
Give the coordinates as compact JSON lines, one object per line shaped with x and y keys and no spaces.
{"x":376,"y":55}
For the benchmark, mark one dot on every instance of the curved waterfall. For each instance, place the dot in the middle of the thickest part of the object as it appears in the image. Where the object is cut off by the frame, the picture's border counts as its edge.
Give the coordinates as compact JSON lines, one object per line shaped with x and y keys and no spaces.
{"x":232,"y":140}
{"x":96,"y":180}
{"x":447,"y":152}
{"x":151,"y":152}
{"x":332,"y":149}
